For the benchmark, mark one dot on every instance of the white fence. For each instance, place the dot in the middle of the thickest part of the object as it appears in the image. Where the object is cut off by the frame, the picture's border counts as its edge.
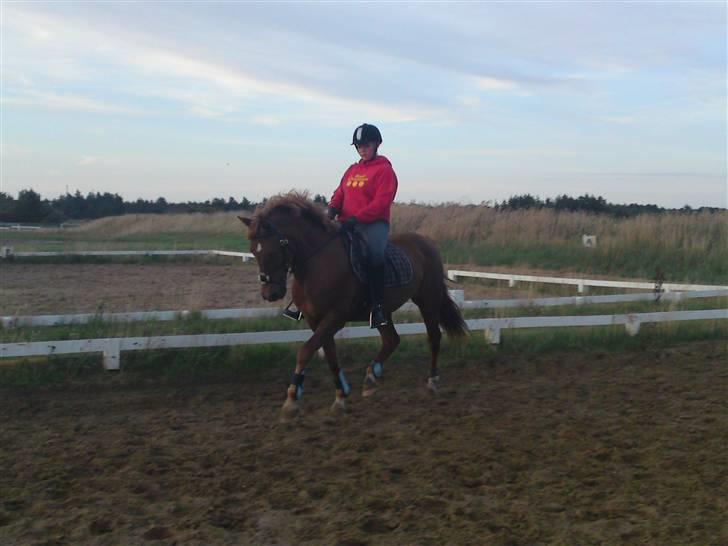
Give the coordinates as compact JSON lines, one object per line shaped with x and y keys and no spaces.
{"x":18,"y":227}
{"x":9,"y":252}
{"x":111,"y":348}
{"x":582,"y":284}
{"x":266,"y":312}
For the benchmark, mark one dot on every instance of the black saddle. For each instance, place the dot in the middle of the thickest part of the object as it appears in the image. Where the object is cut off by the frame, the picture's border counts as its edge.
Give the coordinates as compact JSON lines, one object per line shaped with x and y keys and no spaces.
{"x":397,"y":266}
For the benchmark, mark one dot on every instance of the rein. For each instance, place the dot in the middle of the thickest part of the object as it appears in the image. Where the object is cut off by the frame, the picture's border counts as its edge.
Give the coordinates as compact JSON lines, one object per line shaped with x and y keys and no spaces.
{"x":290,"y":256}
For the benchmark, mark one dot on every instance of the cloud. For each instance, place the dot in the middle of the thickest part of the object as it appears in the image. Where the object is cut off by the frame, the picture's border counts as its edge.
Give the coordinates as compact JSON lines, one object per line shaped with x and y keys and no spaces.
{"x":496,"y":84}
{"x":87,"y":160}
{"x":53,"y":101}
{"x":522,"y":153}
{"x":176,"y":69}
{"x":620,"y":120}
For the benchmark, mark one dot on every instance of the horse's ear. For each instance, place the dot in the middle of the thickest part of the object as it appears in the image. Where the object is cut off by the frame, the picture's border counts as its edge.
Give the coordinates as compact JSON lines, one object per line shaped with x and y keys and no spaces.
{"x":244,"y":220}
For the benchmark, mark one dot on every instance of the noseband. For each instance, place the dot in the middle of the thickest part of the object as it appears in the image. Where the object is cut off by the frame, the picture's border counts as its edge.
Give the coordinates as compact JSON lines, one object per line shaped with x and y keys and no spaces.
{"x":283,"y":242}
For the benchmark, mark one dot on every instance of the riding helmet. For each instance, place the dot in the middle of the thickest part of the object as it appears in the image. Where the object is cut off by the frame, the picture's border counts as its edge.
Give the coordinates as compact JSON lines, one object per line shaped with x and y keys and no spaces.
{"x":366,"y":133}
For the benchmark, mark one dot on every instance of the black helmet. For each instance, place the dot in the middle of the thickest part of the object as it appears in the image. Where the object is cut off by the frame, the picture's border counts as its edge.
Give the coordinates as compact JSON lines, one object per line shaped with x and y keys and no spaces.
{"x":366,"y":133}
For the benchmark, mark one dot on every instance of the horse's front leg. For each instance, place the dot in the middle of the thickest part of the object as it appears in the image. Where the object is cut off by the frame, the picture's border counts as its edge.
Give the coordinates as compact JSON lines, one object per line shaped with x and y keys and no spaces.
{"x":323,"y":331}
{"x":343,"y":389}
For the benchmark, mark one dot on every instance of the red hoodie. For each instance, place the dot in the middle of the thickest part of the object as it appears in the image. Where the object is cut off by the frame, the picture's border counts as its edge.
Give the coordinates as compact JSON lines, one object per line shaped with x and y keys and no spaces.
{"x":366,"y":191}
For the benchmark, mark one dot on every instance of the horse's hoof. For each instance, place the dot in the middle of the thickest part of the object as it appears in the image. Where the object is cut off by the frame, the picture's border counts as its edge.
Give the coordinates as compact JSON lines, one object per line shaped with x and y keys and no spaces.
{"x":432,"y":384}
{"x":339,"y":406}
{"x":290,"y":411}
{"x":370,"y":386}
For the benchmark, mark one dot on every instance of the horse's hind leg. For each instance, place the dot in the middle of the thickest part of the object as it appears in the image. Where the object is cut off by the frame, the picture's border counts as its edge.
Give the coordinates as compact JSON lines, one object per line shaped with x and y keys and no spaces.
{"x":431,"y":317}
{"x":375,"y":370}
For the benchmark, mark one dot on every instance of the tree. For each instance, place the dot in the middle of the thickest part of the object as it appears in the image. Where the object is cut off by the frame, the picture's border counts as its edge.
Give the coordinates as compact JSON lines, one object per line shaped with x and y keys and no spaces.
{"x":30,"y":207}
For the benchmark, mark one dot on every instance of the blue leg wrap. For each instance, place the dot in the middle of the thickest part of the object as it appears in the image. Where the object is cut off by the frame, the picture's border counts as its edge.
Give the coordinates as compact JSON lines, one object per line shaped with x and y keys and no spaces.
{"x":342,"y":384}
{"x":297,"y":381}
{"x":377,"y":369}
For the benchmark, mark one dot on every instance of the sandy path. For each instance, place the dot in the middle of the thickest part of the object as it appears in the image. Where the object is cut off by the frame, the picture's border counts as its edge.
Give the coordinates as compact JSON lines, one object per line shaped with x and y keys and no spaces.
{"x":569,"y":448}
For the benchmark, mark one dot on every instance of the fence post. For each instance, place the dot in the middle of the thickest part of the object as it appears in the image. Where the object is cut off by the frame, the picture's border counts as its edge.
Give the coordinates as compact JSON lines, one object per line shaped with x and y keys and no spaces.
{"x":632,"y":325}
{"x":452,"y":276}
{"x":8,"y":322}
{"x":511,"y":282}
{"x":111,"y":355}
{"x":458,"y":296}
{"x":492,"y":334}
{"x":582,"y":288}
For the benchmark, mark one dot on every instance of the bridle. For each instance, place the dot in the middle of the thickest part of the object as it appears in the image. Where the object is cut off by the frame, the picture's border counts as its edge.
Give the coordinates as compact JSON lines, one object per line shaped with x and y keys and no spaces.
{"x":265,"y":278}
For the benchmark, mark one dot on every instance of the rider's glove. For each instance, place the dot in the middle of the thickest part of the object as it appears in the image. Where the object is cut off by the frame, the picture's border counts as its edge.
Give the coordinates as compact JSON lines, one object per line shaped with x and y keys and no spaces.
{"x":331,"y":212}
{"x":349,"y":223}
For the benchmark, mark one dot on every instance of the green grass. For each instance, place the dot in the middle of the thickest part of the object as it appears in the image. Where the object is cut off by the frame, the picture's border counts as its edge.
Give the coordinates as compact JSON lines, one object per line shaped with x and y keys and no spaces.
{"x":67,"y":241}
{"x":195,"y":324}
{"x":196,"y":366}
{"x":630,"y":262}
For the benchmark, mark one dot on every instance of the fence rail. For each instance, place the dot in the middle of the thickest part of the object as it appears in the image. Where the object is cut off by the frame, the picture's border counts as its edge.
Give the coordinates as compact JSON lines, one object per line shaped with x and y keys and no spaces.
{"x":582,"y":284}
{"x":9,"y":322}
{"x":111,"y":348}
{"x":9,"y":252}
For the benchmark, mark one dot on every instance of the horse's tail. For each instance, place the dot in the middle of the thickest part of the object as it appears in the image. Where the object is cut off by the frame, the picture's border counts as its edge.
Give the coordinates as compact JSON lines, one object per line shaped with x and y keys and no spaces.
{"x":451,"y":319}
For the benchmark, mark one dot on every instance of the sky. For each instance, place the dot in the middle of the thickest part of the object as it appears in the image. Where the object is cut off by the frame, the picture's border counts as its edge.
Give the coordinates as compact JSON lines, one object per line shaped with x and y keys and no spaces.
{"x":476,"y":102}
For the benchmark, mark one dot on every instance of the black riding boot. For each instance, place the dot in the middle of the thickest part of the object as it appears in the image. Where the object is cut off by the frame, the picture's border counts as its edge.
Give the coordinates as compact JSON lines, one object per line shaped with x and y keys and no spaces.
{"x":376,"y":296}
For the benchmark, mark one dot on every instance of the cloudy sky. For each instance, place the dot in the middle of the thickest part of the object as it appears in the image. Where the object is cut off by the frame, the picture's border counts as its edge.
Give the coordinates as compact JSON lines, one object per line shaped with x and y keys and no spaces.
{"x":476,"y":102}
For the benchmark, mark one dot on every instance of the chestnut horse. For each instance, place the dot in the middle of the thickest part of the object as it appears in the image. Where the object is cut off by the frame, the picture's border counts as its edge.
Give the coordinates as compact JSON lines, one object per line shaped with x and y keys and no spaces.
{"x":291,"y":233}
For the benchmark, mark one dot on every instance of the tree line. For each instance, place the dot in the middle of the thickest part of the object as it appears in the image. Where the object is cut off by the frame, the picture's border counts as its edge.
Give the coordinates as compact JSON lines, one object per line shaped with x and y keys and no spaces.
{"x":30,"y":207}
{"x":589,"y":203}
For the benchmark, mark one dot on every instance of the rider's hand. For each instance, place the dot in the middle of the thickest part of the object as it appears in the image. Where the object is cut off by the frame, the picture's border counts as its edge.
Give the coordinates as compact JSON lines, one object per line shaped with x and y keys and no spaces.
{"x":349,"y":223}
{"x":331,"y":212}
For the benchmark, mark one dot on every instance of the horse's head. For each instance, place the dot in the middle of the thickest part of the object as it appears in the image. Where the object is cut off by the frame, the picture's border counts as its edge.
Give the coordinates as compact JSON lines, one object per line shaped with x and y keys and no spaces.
{"x":284,"y":226}
{"x":273,"y":254}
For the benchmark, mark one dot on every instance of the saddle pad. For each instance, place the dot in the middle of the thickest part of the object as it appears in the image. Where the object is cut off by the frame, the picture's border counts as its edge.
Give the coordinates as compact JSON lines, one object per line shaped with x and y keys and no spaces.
{"x":397,"y":266}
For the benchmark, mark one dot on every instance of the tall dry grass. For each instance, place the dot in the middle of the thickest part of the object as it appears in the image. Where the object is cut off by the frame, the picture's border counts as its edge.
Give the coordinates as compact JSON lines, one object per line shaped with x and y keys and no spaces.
{"x":689,"y":247}
{"x":701,"y":232}
{"x":152,"y":224}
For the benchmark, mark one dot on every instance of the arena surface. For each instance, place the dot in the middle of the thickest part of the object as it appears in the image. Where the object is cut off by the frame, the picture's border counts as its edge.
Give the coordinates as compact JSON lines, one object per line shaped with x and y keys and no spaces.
{"x":569,"y":448}
{"x":47,"y":288}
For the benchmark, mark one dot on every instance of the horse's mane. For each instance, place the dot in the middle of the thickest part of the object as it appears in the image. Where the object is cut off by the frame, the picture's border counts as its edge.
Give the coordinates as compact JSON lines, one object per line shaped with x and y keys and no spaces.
{"x":296,"y":204}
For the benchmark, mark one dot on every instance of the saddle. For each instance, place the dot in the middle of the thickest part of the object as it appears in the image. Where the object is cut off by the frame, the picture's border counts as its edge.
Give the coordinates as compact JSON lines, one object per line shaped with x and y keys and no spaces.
{"x":397,"y":266}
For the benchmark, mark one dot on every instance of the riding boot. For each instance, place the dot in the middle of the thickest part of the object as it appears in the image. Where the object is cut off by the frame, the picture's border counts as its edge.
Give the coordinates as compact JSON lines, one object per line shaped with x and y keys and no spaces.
{"x":376,"y":296}
{"x":293,"y":314}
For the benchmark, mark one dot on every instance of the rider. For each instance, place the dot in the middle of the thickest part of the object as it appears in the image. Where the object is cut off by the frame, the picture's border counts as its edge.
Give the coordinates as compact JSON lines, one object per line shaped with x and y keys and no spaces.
{"x":363,"y":200}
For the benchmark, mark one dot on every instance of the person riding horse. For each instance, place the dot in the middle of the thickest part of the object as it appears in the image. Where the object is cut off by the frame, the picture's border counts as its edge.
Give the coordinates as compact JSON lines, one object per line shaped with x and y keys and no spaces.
{"x":363,"y":201}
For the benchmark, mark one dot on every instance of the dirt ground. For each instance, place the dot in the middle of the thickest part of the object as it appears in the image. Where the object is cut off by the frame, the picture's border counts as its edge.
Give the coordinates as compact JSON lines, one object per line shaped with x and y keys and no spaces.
{"x":46,"y":288}
{"x":570,"y":448}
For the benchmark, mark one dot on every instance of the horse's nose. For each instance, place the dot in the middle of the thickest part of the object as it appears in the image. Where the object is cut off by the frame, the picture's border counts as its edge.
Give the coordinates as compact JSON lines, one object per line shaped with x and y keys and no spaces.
{"x":272,"y":294}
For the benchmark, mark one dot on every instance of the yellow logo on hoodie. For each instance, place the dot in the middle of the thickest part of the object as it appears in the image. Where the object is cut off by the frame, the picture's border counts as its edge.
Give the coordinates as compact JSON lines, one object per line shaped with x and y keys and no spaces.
{"x":357,"y":181}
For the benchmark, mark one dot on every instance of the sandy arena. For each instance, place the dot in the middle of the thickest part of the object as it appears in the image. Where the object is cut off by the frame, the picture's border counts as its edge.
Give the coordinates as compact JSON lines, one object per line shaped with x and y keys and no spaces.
{"x":571,"y":448}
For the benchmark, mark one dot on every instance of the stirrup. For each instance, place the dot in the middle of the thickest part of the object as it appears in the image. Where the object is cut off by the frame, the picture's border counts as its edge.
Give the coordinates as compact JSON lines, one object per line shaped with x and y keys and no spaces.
{"x":381,"y":320}
{"x":291,"y":314}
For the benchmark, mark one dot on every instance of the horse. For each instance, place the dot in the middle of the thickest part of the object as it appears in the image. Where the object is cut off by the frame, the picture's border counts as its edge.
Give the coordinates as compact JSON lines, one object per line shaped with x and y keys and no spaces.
{"x":290,"y":233}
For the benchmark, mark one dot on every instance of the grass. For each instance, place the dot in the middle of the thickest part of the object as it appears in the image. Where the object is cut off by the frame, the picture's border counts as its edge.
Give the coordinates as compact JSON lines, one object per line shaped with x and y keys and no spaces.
{"x":210,"y":365}
{"x":685,"y":247}
{"x":691,"y":266}
{"x":195,"y":324}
